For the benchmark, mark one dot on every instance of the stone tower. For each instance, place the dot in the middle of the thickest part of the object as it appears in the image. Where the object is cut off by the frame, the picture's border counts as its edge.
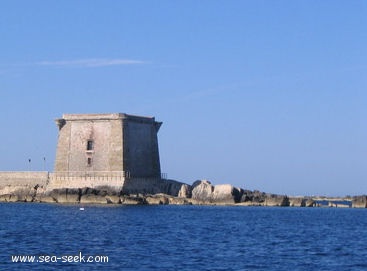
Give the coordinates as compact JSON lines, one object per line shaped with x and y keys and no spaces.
{"x":108,"y":142}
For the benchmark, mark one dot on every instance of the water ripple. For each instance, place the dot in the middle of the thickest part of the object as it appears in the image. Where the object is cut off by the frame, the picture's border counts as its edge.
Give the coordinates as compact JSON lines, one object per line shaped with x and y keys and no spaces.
{"x":185,"y":237}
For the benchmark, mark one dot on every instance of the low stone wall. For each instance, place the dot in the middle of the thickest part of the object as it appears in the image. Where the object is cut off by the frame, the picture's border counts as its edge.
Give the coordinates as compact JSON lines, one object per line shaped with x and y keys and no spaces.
{"x":25,"y":178}
{"x":116,"y":181}
{"x":58,"y":181}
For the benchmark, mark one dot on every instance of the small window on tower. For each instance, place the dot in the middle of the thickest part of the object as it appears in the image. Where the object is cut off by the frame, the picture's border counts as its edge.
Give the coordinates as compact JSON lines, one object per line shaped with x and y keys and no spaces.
{"x":89,"y":161}
{"x":89,"y":145}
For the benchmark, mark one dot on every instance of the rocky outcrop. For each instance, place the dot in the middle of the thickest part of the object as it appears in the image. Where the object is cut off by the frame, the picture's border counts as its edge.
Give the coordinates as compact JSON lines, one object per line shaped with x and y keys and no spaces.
{"x":310,"y":203}
{"x":359,"y":202}
{"x":100,"y":195}
{"x":179,"y":201}
{"x":65,"y":195}
{"x":255,"y":198}
{"x":157,"y":199}
{"x":297,"y":201}
{"x":111,"y":199}
{"x":301,"y":202}
{"x":204,"y":192}
{"x":25,"y":193}
{"x":98,"y":199}
{"x":185,"y":191}
{"x":226,"y":194}
{"x":276,"y":200}
{"x":132,"y":200}
{"x":200,"y":192}
{"x":153,"y":186}
{"x":157,"y":192}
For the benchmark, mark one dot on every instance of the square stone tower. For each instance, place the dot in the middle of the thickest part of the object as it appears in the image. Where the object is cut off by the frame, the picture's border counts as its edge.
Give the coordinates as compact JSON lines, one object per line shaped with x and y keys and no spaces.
{"x":108,"y":142}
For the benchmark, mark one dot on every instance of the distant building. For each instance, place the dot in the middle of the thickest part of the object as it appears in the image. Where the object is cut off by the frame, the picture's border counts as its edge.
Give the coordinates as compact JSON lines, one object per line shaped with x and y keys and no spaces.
{"x":108,"y":142}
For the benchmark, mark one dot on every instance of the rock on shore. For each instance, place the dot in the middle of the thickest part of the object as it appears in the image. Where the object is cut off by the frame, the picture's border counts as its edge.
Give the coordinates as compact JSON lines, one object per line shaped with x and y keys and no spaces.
{"x":359,"y":202}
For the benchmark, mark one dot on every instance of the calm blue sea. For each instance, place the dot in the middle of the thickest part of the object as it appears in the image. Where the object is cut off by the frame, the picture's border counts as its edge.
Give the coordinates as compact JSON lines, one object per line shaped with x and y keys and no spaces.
{"x":182,"y":237}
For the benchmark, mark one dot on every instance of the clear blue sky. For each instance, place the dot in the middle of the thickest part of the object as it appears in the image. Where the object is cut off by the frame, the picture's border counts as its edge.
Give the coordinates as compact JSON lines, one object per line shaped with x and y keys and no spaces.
{"x":267,"y":95}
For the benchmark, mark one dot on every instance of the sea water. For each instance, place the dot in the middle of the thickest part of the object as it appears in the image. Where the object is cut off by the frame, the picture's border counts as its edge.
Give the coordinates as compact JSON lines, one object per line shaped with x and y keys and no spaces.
{"x":181,"y":237}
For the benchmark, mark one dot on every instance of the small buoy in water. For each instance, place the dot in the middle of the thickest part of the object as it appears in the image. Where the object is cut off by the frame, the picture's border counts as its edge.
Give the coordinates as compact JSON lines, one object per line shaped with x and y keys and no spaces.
{"x":81,"y":208}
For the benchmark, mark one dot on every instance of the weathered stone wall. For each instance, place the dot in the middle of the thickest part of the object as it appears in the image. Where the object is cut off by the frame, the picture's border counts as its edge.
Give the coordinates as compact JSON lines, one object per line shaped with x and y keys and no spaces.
{"x":115,"y":146}
{"x":26,"y":178}
{"x":105,"y":133}
{"x":62,"y":149}
{"x":141,"y":155}
{"x":120,"y":142}
{"x":112,"y":179}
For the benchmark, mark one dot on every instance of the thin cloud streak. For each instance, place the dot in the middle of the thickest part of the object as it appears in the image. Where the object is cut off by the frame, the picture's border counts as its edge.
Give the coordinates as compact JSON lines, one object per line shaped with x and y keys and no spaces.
{"x":91,"y":63}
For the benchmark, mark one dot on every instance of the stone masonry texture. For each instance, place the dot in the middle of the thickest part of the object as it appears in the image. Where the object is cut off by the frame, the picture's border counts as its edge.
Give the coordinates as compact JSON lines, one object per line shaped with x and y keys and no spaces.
{"x":108,"y":142}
